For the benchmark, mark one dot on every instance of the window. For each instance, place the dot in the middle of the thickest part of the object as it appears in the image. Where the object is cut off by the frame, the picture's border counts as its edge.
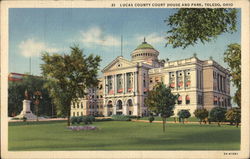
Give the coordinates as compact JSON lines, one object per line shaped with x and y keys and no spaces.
{"x":100,"y":96}
{"x":81,"y":114}
{"x":130,"y":112}
{"x":74,"y":106}
{"x":215,"y":100}
{"x":74,"y":114}
{"x":119,"y":84}
{"x":77,"y":105}
{"x":81,"y":105}
{"x":200,"y":99}
{"x":151,"y":80}
{"x":77,"y":113}
{"x":180,"y":100}
{"x":187,"y":99}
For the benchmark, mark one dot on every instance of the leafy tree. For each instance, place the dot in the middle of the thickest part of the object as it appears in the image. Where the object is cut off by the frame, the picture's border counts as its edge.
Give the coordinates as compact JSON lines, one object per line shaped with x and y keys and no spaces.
{"x":58,"y":97}
{"x":31,"y":84}
{"x":71,"y":74}
{"x":217,"y":114}
{"x":234,"y":115}
{"x":161,"y":101}
{"x":190,"y":25}
{"x":184,"y":114}
{"x":201,"y":114}
{"x":232,"y":57}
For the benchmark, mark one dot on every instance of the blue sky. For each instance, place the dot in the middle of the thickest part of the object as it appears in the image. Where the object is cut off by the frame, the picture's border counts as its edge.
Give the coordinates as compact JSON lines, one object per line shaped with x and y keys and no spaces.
{"x":98,"y":31}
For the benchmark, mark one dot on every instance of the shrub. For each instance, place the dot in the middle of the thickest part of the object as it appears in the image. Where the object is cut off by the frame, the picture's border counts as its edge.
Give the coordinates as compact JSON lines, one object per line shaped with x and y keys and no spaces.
{"x":104,"y":119}
{"x":79,"y":119}
{"x":184,"y":114}
{"x":234,"y":116}
{"x":121,"y":117}
{"x":73,"y":120}
{"x":132,"y":116}
{"x":217,"y":114}
{"x":201,"y":114}
{"x":90,"y":119}
{"x":151,"y":119}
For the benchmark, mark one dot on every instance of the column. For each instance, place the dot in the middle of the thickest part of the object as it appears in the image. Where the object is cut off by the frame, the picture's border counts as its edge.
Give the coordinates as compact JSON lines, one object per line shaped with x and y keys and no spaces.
{"x":114,"y":108}
{"x":125,"y":83}
{"x":184,"y":79}
{"x":194,"y":79}
{"x":134,"y":89}
{"x":136,"y":81}
{"x":105,"y":85}
{"x":114,"y":83}
{"x":124,"y":108}
{"x":105,"y":107}
{"x":176,"y":80}
{"x":135,"y":106}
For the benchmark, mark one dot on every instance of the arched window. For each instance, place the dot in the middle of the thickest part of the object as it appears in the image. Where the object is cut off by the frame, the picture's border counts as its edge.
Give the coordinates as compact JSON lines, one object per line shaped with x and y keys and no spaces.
{"x":187,"y":99}
{"x":74,"y":106}
{"x":129,"y":103}
{"x":77,"y":105}
{"x":119,"y":104}
{"x":110,"y":104}
{"x":180,"y":100}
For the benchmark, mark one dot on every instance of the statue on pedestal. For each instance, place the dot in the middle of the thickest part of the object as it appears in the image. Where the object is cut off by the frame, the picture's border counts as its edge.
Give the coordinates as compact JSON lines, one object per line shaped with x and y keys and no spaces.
{"x":26,"y":112}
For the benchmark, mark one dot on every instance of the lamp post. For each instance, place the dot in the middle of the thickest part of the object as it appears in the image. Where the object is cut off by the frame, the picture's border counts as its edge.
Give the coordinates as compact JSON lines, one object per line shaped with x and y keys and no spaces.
{"x":37,"y":96}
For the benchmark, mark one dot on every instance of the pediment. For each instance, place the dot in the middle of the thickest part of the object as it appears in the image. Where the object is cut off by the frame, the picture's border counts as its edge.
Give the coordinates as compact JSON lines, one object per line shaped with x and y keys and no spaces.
{"x":118,"y":63}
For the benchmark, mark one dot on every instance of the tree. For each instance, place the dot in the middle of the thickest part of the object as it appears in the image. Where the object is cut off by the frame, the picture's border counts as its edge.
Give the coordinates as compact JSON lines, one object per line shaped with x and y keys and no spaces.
{"x":217,"y":114}
{"x":184,"y":114}
{"x":58,"y":97}
{"x":71,"y":74}
{"x":234,"y":115}
{"x":190,"y":25}
{"x":161,"y":101}
{"x":201,"y":114}
{"x":31,"y":84}
{"x":232,"y":57}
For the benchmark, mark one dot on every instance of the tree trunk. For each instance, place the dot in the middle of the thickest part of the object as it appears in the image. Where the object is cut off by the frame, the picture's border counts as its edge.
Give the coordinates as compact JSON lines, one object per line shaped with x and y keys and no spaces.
{"x":200,"y":121}
{"x":218,"y":123}
{"x":163,"y":123}
{"x":68,"y":113}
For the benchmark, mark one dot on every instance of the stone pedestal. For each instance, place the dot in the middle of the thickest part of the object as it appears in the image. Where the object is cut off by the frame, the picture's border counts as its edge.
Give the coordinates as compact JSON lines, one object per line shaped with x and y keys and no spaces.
{"x":26,"y":112}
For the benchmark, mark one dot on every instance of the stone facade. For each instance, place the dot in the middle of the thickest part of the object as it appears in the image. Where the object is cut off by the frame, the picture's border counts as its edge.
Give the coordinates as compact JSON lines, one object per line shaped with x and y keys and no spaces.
{"x":124,"y":84}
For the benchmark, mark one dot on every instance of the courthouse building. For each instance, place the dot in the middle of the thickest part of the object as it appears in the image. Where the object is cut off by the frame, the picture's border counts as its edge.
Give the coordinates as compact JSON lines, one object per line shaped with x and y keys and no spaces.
{"x":125,"y":83}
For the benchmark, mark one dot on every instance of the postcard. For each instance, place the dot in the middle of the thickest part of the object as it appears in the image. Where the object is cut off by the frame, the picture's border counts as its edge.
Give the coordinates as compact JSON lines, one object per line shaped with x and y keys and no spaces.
{"x":125,"y":79}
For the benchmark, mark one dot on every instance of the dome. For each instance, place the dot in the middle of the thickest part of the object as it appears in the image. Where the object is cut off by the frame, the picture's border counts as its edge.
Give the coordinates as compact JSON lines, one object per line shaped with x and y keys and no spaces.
{"x":144,"y":45}
{"x":145,"y":53}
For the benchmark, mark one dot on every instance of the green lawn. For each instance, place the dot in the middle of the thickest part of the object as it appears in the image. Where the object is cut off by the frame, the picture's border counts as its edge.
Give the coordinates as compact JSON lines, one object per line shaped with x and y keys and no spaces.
{"x":157,"y":118}
{"x":122,"y":135}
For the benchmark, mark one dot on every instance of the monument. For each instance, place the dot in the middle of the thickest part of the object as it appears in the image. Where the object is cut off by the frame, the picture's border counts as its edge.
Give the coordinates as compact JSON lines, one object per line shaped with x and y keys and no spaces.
{"x":26,"y":112}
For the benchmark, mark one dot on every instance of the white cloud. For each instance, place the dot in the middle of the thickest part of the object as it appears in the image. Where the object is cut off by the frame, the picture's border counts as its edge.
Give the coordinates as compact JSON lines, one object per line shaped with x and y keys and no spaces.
{"x":32,"y":47}
{"x":152,"y":38}
{"x":96,"y":36}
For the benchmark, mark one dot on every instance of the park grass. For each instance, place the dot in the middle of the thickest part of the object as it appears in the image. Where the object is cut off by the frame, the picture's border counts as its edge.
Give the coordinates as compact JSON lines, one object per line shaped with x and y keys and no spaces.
{"x":157,"y":118}
{"x":122,"y":135}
